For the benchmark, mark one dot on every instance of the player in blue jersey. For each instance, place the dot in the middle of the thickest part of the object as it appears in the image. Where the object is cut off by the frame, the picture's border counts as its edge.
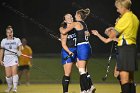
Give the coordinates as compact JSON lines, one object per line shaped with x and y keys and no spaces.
{"x":68,"y":42}
{"x":83,"y":48}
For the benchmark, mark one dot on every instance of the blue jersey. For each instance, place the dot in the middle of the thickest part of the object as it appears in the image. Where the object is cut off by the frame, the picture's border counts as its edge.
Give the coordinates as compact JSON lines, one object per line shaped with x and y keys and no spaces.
{"x":81,"y":37}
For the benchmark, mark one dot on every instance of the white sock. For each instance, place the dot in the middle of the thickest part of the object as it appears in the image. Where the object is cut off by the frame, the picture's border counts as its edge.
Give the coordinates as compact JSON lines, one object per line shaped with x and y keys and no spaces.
{"x":15,"y":81}
{"x":9,"y":81}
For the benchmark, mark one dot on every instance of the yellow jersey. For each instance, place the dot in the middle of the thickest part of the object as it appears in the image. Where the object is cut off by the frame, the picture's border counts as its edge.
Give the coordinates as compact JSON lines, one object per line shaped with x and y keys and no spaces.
{"x":25,"y":60}
{"x":127,"y":27}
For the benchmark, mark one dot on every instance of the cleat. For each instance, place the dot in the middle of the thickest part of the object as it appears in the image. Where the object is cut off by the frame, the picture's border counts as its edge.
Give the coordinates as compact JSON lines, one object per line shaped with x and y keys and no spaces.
{"x":92,"y":89}
{"x":84,"y":91}
{"x":14,"y":90}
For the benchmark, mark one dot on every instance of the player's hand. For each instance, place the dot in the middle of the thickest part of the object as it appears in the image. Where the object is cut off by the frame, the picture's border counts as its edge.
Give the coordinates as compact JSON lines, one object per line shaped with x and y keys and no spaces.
{"x":30,"y":65}
{"x":19,"y":53}
{"x":71,"y":53}
{"x":108,"y":30}
{"x":87,"y":33}
{"x":95,"y":32}
{"x":116,"y":73}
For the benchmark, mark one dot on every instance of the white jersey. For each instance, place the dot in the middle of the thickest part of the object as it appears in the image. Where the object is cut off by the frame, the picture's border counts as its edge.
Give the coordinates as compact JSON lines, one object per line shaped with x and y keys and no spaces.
{"x":10,"y":58}
{"x":11,"y":45}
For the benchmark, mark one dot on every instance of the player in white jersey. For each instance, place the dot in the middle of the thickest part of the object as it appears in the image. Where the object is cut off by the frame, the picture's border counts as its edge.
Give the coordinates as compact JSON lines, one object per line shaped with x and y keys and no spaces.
{"x":10,"y":50}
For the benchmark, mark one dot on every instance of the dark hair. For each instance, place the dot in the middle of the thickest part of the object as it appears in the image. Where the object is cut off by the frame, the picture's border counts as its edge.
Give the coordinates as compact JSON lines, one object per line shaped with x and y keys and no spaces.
{"x":63,"y":24}
{"x":83,"y":13}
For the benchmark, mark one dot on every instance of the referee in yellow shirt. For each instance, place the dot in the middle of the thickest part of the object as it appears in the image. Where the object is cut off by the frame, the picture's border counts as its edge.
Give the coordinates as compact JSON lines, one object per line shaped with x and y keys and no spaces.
{"x":126,"y":29}
{"x":25,"y":62}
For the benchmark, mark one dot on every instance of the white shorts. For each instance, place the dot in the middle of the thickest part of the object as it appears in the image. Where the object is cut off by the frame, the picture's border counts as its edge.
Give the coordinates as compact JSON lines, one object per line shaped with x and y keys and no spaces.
{"x":10,"y":60}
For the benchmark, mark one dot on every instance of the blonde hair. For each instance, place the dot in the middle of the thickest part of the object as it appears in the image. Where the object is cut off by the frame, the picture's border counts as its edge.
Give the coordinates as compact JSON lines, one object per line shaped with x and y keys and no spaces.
{"x":124,"y":3}
{"x":83,"y":13}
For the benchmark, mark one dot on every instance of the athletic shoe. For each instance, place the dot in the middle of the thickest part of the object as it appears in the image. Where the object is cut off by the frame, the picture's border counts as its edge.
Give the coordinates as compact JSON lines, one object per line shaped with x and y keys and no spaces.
{"x":84,"y":91}
{"x":92,"y":89}
{"x":14,"y":90}
{"x":8,"y":90}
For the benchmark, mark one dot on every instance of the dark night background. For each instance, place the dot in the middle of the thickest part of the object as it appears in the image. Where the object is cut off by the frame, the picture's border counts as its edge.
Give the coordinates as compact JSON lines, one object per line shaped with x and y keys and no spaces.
{"x":50,"y":14}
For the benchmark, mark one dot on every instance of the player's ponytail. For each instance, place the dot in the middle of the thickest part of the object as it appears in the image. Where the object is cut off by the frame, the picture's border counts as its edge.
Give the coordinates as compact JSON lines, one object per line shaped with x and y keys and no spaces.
{"x":87,"y":11}
{"x":83,"y":13}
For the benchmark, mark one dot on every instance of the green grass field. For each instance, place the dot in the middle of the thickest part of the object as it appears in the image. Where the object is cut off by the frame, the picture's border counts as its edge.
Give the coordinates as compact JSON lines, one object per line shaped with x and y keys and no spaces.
{"x":50,"y":70}
{"x":57,"y":88}
{"x":46,"y":75}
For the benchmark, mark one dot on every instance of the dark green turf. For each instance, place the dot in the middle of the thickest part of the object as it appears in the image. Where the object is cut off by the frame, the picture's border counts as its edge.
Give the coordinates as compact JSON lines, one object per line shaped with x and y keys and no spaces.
{"x":50,"y":70}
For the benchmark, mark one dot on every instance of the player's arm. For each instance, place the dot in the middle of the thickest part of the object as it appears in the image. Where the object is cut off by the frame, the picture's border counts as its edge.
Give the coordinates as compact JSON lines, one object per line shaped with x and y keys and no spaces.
{"x":105,"y":40}
{"x":63,"y":42}
{"x":1,"y":56}
{"x":20,"y":47}
{"x":66,"y":30}
{"x":111,"y":32}
{"x":1,"y":52}
{"x":87,"y":33}
{"x":30,"y":54}
{"x":116,"y":73}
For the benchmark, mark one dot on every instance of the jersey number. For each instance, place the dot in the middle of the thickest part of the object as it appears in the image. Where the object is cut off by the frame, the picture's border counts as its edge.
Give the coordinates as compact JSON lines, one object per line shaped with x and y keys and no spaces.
{"x":75,"y":40}
{"x":86,"y":38}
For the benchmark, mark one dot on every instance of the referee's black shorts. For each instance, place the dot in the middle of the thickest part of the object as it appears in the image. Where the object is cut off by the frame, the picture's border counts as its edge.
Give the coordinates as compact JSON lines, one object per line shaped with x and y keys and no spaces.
{"x":127,"y":58}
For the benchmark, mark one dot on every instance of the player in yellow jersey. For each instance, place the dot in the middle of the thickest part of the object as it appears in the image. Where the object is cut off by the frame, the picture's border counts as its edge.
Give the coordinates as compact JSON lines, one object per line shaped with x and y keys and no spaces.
{"x":25,"y":62}
{"x":126,"y":29}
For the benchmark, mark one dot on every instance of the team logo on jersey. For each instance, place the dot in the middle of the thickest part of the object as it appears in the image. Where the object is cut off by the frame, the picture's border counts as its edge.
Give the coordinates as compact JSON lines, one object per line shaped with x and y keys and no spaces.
{"x":16,"y":62}
{"x":10,"y":47}
{"x":71,"y":36}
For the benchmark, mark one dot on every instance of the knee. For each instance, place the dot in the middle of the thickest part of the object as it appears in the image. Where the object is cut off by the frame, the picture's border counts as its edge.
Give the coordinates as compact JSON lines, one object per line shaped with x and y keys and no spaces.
{"x":67,"y":73}
{"x":124,"y":78}
{"x":82,"y":71}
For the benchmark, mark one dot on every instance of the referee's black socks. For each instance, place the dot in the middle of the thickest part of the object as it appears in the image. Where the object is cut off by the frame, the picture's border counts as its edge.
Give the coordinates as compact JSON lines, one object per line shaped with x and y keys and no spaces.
{"x":133,"y":87}
{"x":65,"y":83}
{"x":126,"y":88}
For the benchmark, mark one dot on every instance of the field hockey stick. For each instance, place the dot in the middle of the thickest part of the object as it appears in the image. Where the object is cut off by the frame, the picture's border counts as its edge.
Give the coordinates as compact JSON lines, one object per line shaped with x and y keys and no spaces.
{"x":42,"y":27}
{"x":108,"y":63}
{"x":70,"y":55}
{"x":16,"y":53}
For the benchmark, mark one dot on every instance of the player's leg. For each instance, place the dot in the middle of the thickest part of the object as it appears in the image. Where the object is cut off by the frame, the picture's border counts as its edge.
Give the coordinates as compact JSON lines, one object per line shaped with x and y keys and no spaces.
{"x":117,"y":75}
{"x":66,"y":77}
{"x":20,"y":73}
{"x":91,"y":87}
{"x":15,"y":77}
{"x":125,"y":85}
{"x":83,"y":75}
{"x":9,"y":78}
{"x":132,"y":83}
{"x":83,"y":54}
{"x":27,"y":74}
{"x":67,"y":65}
